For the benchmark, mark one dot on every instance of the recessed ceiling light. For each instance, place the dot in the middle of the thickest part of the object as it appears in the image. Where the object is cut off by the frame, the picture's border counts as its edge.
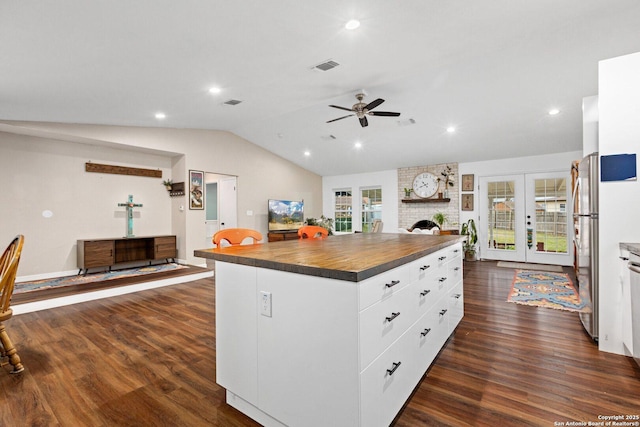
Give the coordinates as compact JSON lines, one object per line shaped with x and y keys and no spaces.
{"x":451,"y":129}
{"x":554,"y":111}
{"x":307,"y":153}
{"x":352,"y":24}
{"x":215,"y":90}
{"x":161,"y":116}
{"x":358,"y":144}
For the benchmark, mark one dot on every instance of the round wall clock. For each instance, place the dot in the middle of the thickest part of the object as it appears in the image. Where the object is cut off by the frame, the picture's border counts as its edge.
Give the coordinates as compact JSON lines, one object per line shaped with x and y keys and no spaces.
{"x":425,"y":185}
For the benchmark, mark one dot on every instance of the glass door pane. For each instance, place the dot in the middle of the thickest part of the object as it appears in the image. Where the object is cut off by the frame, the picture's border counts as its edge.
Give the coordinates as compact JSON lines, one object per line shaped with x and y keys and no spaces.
{"x":501,"y":215}
{"x":501,"y":230}
{"x":549,"y":206}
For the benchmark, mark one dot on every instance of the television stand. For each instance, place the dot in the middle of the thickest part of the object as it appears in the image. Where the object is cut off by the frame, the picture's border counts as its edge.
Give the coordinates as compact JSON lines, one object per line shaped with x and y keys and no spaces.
{"x":278,"y":236}
{"x":109,"y":252}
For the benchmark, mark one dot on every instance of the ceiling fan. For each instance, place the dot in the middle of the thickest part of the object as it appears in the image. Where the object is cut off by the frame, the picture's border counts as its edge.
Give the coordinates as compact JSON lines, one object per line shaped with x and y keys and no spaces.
{"x":362,"y":110}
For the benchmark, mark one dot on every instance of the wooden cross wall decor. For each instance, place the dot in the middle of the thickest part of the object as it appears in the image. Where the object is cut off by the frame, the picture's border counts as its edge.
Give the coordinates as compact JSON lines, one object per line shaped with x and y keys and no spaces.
{"x":130,"y":205}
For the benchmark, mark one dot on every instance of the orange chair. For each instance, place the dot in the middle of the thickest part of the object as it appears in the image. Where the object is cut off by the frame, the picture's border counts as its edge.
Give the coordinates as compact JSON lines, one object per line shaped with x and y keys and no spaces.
{"x":8,"y":269}
{"x":312,"y":232}
{"x":235,"y":236}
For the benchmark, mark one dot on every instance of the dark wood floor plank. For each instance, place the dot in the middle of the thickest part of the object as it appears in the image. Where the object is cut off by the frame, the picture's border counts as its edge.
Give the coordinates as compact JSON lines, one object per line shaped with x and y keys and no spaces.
{"x":149,"y":359}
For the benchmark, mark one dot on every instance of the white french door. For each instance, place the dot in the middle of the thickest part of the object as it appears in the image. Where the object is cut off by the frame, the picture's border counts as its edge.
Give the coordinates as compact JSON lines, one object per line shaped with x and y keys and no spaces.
{"x":526,"y":218}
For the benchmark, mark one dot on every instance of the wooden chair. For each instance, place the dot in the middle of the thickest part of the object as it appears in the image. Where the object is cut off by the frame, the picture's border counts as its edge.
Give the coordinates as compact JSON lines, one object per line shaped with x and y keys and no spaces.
{"x":235,"y":236}
{"x":8,"y":269}
{"x":312,"y":232}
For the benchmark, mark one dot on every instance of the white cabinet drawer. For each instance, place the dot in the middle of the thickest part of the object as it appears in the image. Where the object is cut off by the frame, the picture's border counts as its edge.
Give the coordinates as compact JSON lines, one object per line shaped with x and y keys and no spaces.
{"x":454,"y":251}
{"x":422,"y":267}
{"x":384,"y":322}
{"x":456,"y":306}
{"x":454,"y":271}
{"x":387,"y":383}
{"x":426,"y":291}
{"x":427,"y":337}
{"x":383,"y":286}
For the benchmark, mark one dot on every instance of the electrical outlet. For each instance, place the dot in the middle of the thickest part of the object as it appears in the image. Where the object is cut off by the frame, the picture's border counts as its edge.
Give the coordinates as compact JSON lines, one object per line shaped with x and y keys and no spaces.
{"x":265,"y":303}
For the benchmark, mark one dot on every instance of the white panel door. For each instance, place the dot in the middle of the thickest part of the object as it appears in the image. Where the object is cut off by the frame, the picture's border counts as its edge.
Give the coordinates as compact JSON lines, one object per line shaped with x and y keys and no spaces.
{"x":228,"y":203}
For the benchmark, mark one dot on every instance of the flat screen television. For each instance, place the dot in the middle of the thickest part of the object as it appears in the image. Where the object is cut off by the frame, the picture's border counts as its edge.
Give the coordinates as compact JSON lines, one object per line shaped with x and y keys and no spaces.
{"x":285,"y":215}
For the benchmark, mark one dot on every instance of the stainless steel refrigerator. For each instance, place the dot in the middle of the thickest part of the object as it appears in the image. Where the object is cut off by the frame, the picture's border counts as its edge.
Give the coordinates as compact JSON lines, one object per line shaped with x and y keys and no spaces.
{"x":586,"y":240}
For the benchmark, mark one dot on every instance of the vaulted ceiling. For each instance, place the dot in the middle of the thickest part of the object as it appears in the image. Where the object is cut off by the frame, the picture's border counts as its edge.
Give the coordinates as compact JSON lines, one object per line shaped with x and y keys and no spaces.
{"x":491,"y":70}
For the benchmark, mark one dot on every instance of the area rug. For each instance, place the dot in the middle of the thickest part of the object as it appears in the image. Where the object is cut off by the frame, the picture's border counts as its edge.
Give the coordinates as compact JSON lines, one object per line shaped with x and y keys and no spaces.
{"x":545,"y":289}
{"x":38,"y":285}
{"x":526,"y":266}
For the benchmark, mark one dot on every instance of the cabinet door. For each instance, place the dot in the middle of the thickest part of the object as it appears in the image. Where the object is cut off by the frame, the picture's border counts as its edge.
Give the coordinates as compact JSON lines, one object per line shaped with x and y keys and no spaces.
{"x":236,"y":330}
{"x":165,"y":247}
{"x":98,"y":253}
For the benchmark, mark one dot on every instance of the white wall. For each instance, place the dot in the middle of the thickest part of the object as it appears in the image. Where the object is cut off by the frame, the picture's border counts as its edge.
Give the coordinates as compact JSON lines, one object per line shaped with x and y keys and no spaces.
{"x":33,"y":173}
{"x":387,"y":180}
{"x":619,"y":112}
{"x":42,"y":174}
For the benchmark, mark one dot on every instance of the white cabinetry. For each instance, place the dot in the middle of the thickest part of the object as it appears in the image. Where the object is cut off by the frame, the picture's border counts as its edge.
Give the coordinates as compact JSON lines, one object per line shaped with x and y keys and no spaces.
{"x":333,"y":352}
{"x":625,"y":280}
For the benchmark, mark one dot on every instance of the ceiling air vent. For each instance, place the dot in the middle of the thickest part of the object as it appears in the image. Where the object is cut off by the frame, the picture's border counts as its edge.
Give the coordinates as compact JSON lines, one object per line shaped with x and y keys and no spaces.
{"x":326,"y":66}
{"x":232,"y":102}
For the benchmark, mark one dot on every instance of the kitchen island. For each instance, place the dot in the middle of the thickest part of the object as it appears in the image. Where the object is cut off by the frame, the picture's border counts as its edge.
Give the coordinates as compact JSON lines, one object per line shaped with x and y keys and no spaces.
{"x":334,"y":331}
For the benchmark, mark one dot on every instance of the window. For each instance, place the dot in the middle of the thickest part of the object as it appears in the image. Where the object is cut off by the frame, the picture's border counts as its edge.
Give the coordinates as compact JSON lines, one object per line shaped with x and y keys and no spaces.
{"x":343,"y":211}
{"x":371,"y":207}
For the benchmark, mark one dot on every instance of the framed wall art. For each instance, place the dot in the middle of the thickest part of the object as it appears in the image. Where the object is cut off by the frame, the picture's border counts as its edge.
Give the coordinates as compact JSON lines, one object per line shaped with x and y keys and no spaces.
{"x":467,"y":182}
{"x":196,"y":189}
{"x":466,"y":202}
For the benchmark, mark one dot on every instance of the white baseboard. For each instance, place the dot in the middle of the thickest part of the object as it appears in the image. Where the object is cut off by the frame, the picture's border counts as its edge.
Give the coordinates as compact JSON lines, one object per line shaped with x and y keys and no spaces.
{"x":104,"y":293}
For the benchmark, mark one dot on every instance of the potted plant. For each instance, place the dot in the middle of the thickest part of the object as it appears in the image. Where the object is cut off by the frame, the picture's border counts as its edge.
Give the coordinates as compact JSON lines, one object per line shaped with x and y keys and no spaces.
{"x":324,"y":222}
{"x":440,"y":218}
{"x":407,"y":192}
{"x":447,"y":173}
{"x":469,"y":229}
{"x":168,"y":184}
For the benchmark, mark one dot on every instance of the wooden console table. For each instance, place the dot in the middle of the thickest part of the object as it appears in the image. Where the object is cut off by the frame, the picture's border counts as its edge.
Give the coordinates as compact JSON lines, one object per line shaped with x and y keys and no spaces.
{"x":278,"y":236}
{"x":109,"y":252}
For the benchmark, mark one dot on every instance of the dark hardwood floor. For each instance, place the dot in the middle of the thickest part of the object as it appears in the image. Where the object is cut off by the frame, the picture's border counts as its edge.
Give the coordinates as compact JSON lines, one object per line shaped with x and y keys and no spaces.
{"x":148,"y":359}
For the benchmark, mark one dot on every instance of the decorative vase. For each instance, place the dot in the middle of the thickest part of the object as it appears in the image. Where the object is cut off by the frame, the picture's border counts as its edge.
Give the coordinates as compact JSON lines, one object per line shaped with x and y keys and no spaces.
{"x":446,"y":194}
{"x":440,"y":195}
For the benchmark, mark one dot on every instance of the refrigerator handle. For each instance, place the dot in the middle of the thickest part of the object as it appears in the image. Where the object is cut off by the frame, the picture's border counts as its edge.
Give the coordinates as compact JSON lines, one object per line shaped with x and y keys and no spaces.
{"x":575,"y":192}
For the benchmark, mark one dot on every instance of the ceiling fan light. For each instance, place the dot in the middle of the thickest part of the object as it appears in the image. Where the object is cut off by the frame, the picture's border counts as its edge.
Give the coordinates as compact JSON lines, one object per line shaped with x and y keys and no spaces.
{"x":352,"y":24}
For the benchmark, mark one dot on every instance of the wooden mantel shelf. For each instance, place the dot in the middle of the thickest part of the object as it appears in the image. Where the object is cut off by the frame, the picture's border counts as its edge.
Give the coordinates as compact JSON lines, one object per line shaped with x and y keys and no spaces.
{"x":443,"y":200}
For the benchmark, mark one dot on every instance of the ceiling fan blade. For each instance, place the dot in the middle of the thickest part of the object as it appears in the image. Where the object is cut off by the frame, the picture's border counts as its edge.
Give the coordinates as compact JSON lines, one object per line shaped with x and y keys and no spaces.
{"x":363,"y":122}
{"x":373,"y":104}
{"x":383,"y":113}
{"x":341,"y":108}
{"x":340,"y":118}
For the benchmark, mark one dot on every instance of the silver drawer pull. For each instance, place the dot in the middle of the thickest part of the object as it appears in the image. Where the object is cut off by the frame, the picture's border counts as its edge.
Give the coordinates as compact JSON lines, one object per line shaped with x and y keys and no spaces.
{"x":455,"y":251}
{"x":395,"y":366}
{"x":426,"y":291}
{"x":425,"y":332}
{"x":456,"y":296}
{"x":393,"y":316}
{"x":442,"y":258}
{"x":443,"y":311}
{"x":424,"y":267}
{"x":392,"y":284}
{"x":442,"y":279}
{"x":456,"y":269}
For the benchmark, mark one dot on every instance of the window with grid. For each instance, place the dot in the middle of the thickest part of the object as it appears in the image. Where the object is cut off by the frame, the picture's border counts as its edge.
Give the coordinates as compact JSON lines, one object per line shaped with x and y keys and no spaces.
{"x":343,"y":211}
{"x":371,"y":207}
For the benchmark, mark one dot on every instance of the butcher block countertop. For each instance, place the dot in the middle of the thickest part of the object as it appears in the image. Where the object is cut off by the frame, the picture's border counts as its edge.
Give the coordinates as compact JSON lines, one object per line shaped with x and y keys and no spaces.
{"x":350,"y":257}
